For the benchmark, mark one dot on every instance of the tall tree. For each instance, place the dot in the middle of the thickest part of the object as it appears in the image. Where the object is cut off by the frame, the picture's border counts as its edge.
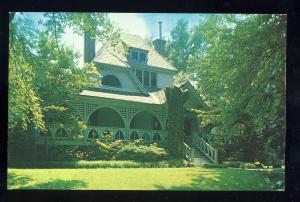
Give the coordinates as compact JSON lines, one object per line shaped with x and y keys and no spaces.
{"x":39,"y":62}
{"x":43,"y":74}
{"x":242,"y":75}
{"x":184,"y":44}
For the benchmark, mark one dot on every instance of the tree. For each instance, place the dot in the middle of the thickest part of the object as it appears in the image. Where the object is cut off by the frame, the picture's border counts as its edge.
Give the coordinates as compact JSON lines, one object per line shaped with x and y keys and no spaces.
{"x":242,"y":74}
{"x":184,"y":45}
{"x":43,"y":74}
{"x":176,"y":97}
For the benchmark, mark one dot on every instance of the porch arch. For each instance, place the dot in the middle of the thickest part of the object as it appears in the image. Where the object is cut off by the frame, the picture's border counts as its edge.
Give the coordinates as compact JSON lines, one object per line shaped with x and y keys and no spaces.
{"x":145,"y":120}
{"x":106,"y":117}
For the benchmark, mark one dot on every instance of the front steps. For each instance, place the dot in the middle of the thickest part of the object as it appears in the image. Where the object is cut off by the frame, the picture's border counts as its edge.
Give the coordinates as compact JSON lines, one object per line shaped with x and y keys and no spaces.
{"x":200,"y":159}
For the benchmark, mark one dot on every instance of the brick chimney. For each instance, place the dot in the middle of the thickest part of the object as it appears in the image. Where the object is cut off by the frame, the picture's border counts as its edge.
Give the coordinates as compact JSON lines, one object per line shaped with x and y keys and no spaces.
{"x":159,"y":44}
{"x":89,"y":48}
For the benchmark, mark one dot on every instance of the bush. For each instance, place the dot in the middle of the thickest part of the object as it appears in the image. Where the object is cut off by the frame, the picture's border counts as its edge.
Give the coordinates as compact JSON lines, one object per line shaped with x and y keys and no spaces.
{"x":232,"y":164}
{"x":100,"y":164}
{"x":131,"y":151}
{"x":106,"y":149}
{"x":248,"y":166}
{"x":20,"y":146}
{"x":211,"y":165}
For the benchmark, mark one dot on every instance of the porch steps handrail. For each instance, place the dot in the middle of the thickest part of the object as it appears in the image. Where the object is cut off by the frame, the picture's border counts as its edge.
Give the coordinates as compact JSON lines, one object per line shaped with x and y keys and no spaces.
{"x":188,"y":152}
{"x":205,"y":148}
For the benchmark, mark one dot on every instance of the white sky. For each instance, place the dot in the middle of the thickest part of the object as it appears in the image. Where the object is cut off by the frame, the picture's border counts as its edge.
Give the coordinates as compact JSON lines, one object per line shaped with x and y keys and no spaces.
{"x":129,"y":22}
{"x":142,"y":24}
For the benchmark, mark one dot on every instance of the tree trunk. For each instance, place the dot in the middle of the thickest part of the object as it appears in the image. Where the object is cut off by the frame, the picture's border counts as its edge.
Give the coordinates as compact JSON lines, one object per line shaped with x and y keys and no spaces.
{"x":176,"y":98}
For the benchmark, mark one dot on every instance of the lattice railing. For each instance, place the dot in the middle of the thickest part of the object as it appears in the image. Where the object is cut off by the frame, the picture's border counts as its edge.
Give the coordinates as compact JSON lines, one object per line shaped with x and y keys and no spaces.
{"x":94,"y":132}
{"x":155,"y":135}
{"x":100,"y":131}
{"x":210,"y":152}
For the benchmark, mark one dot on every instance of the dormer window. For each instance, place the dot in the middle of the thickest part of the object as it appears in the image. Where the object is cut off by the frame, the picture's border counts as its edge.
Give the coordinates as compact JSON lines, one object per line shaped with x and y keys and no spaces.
{"x":138,"y":55}
{"x":143,"y":56}
{"x":135,"y":55}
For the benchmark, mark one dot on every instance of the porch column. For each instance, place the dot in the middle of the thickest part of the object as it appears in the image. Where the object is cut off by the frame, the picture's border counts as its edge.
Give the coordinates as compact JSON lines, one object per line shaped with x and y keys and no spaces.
{"x":127,"y":129}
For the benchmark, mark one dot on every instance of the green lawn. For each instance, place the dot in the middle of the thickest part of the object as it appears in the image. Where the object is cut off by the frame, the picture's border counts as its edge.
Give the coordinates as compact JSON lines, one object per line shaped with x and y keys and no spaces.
{"x":144,"y":179}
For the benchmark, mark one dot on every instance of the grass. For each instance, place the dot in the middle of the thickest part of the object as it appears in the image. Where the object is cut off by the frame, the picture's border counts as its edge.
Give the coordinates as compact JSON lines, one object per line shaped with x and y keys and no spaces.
{"x":145,"y":179}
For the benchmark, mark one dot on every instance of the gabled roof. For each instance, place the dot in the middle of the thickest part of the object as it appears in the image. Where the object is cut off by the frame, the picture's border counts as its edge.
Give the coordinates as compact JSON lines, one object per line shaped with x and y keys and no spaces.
{"x":116,"y":55}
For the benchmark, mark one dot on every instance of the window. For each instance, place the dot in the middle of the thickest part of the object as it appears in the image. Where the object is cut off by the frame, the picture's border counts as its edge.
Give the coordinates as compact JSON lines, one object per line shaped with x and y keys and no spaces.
{"x":153,"y":79}
{"x":111,"y":80}
{"x":139,"y":75}
{"x":143,"y":56}
{"x":138,"y":55}
{"x":146,"y":78}
{"x":135,"y":55}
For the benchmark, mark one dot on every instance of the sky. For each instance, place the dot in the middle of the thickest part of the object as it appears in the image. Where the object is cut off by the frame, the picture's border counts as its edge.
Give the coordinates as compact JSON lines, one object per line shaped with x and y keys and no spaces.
{"x":142,"y":24}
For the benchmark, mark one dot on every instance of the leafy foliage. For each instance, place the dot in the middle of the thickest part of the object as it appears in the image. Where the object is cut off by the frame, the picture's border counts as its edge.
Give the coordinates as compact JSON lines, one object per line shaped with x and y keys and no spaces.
{"x":39,"y":62}
{"x":242,"y":75}
{"x":107,"y":149}
{"x":184,"y":45}
{"x":44,"y":76}
{"x":240,"y":68}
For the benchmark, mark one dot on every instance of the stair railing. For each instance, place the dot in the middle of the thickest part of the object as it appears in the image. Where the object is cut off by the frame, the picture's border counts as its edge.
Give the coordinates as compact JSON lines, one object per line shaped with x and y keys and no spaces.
{"x":188,"y":152}
{"x":210,"y":152}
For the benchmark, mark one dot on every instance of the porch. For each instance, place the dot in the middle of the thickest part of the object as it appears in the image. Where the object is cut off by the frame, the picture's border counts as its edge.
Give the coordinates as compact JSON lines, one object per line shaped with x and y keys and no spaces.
{"x":121,"y":119}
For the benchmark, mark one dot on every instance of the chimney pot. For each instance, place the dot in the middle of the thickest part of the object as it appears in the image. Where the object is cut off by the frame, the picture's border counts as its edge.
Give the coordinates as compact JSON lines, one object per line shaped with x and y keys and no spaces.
{"x":160,"y":30}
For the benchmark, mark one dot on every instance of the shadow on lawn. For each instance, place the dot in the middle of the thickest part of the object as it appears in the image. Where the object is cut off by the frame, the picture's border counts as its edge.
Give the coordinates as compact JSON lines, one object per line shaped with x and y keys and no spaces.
{"x":14,"y":180}
{"x":226,"y":179}
{"x":58,"y":185}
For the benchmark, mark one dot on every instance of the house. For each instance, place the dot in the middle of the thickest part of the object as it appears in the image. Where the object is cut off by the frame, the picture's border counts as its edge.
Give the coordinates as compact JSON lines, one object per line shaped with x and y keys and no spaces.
{"x":131,"y":102}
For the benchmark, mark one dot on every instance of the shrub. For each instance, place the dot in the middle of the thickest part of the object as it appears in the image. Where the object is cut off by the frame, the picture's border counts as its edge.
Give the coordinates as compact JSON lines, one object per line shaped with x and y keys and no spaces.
{"x":20,"y":146}
{"x":211,"y":165}
{"x":233,"y":164}
{"x":259,"y":165}
{"x":248,"y":166}
{"x":106,"y":149}
{"x":100,"y":164}
{"x":131,"y":151}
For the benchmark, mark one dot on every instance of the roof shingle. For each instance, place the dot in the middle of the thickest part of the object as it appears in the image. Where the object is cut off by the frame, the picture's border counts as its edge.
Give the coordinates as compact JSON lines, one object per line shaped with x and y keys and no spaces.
{"x":115,"y":56}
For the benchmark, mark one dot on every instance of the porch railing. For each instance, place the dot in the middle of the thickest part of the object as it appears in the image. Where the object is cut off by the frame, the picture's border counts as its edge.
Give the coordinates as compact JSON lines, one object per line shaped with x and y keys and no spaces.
{"x":210,"y":152}
{"x":142,"y":133}
{"x":101,"y":130}
{"x":188,"y":153}
{"x":97,"y":132}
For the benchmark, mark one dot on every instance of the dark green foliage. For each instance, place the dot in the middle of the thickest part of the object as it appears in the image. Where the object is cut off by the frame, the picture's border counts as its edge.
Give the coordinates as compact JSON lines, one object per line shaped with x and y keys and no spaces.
{"x":176,"y":97}
{"x":131,"y":151}
{"x":232,"y":164}
{"x":211,"y":165}
{"x":20,"y":145}
{"x":242,"y":78}
{"x":183,"y":46}
{"x":248,"y":166}
{"x":106,"y":149}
